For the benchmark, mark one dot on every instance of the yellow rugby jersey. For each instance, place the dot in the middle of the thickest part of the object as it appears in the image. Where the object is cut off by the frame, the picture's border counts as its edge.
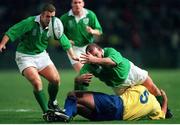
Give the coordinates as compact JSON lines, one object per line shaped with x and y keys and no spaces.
{"x":138,"y":103}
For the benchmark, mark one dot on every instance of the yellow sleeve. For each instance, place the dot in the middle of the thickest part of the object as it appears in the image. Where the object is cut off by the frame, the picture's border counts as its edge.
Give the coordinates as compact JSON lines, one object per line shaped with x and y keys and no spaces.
{"x":159,"y":114}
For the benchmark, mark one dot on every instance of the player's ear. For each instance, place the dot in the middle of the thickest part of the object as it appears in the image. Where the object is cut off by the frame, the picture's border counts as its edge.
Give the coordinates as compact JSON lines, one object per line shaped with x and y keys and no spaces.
{"x":99,"y":49}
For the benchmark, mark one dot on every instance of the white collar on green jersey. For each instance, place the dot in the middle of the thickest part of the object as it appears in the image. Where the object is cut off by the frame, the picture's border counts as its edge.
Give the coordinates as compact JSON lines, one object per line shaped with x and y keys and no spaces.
{"x":84,"y":13}
{"x":37,"y":19}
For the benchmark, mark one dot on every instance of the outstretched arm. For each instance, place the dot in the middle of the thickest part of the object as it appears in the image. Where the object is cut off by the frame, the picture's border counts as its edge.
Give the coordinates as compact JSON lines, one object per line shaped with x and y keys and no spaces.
{"x":4,"y":40}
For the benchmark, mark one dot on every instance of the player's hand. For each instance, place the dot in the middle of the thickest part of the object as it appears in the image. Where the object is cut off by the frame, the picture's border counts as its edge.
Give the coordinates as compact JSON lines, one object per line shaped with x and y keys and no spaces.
{"x":75,"y":58}
{"x":71,"y":53}
{"x":2,"y":47}
{"x":89,"y":30}
{"x":3,"y":42}
{"x":84,"y":78}
{"x":87,"y":58}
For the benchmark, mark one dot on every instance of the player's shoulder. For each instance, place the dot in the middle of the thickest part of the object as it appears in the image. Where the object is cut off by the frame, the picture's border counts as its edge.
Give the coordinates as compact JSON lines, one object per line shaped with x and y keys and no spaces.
{"x":109,"y":51}
{"x":29,"y":20}
{"x":65,"y":15}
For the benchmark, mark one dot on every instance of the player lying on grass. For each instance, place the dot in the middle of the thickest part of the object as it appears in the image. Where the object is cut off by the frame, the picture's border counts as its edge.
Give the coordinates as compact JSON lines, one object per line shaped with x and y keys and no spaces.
{"x":135,"y":103}
{"x":115,"y":71}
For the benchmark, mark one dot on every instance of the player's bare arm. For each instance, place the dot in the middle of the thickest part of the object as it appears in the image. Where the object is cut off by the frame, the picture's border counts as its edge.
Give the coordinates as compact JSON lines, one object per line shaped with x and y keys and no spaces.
{"x":89,"y":58}
{"x":93,"y":31}
{"x":71,"y":53}
{"x":84,"y":78}
{"x":165,"y":101}
{"x":5,"y":39}
{"x":72,"y":42}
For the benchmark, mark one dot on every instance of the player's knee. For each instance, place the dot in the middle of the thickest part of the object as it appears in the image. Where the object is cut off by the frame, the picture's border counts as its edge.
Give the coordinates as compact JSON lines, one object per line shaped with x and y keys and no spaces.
{"x":37,"y":85}
{"x":55,"y":80}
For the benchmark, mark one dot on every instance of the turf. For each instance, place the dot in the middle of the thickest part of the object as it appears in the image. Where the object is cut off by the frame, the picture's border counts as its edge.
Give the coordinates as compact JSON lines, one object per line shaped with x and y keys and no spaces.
{"x":17,"y":103}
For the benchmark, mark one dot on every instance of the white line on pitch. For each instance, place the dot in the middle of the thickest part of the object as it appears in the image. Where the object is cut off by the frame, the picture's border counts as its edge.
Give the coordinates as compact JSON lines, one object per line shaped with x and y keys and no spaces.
{"x":18,"y":110}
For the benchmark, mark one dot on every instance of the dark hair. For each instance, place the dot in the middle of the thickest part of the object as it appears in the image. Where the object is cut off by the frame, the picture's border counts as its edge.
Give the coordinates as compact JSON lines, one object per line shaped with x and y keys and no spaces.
{"x":92,"y":46}
{"x":48,"y":7}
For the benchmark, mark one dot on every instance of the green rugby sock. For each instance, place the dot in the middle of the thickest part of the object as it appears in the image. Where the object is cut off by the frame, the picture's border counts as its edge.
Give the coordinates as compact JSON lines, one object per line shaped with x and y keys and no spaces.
{"x":53,"y":90}
{"x":41,"y":99}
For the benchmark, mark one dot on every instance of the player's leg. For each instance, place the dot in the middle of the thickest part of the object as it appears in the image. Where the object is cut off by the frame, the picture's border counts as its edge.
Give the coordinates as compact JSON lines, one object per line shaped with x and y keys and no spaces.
{"x":148,"y":83}
{"x":140,"y":76}
{"x":30,"y":66}
{"x":32,"y":75}
{"x":152,"y":88}
{"x":77,"y":66}
{"x":51,"y":74}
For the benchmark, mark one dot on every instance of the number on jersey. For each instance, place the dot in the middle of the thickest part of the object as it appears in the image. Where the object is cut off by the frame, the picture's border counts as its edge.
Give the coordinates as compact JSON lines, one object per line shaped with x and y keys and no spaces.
{"x":144,"y":97}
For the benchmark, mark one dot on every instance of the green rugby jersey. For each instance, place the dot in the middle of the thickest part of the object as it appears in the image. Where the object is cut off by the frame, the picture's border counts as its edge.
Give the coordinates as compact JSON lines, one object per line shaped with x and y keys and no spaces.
{"x":32,"y":38}
{"x":76,"y":31}
{"x":112,"y":76}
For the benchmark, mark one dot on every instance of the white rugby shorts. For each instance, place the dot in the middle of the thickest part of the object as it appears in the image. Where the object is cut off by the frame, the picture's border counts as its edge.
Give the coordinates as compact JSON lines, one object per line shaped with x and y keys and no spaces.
{"x":39,"y":61}
{"x":78,"y":51}
{"x":136,"y":76}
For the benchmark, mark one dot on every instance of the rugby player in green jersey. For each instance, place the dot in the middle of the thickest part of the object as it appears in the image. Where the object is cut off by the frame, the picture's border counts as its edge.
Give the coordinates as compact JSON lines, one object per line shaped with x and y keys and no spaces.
{"x":32,"y":59}
{"x":115,"y":71}
{"x":80,"y":26}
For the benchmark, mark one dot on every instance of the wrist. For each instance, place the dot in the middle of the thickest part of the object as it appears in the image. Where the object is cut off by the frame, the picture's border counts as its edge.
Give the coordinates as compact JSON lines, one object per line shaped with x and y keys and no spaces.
{"x":97,"y":61}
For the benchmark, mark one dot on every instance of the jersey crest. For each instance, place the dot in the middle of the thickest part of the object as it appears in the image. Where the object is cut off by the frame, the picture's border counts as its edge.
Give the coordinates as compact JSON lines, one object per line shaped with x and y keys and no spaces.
{"x":70,"y":23}
{"x":86,"y":21}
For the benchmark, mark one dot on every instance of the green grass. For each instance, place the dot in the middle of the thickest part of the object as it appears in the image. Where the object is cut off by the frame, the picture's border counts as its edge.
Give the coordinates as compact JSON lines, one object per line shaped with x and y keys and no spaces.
{"x":17,"y":103}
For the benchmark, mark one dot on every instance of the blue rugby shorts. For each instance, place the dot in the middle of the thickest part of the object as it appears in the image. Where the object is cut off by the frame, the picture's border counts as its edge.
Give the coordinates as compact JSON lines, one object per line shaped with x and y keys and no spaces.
{"x":107,"y":107}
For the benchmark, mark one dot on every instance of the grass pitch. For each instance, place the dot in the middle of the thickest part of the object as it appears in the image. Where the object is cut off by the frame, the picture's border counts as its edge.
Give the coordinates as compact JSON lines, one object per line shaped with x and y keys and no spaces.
{"x":18,"y":105}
